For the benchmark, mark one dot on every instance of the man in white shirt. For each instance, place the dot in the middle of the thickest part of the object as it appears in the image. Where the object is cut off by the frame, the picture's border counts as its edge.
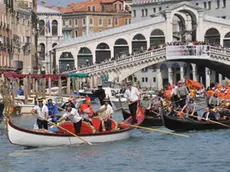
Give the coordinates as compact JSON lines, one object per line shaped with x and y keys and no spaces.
{"x":41,"y":112}
{"x":73,"y":115}
{"x":132,"y":94}
{"x":105,"y":113}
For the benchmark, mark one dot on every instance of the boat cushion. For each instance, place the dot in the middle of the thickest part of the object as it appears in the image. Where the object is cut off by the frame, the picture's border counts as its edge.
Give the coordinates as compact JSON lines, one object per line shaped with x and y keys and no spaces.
{"x":86,"y":128}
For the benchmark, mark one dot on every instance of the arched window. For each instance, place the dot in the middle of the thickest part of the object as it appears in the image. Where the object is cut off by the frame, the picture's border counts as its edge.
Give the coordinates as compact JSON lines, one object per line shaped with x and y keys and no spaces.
{"x":54,"y":28}
{"x":41,"y":27}
{"x":42,"y":51}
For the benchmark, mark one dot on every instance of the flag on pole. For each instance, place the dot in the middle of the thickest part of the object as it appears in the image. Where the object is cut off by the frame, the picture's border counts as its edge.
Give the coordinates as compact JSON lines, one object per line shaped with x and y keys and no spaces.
{"x":48,"y":27}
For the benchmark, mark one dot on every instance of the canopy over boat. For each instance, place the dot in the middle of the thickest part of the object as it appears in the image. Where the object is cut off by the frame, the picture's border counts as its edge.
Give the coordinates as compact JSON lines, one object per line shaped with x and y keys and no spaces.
{"x":32,"y":138}
{"x":77,"y":75}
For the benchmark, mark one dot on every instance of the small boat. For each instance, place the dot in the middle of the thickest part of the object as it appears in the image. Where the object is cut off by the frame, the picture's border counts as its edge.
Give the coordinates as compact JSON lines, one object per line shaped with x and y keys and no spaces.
{"x":37,"y":138}
{"x":177,"y":124}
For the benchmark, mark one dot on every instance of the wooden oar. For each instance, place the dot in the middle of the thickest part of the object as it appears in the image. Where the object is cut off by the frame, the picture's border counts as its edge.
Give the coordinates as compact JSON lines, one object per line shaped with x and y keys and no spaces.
{"x":157,"y":130}
{"x":65,"y":130}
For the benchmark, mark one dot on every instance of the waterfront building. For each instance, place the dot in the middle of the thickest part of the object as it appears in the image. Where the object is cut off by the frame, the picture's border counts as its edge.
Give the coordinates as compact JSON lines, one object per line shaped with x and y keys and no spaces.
{"x":49,"y":35}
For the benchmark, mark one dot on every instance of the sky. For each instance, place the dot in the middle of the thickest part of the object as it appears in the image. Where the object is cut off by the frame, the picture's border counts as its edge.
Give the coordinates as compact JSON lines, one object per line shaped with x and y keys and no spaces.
{"x":61,"y":2}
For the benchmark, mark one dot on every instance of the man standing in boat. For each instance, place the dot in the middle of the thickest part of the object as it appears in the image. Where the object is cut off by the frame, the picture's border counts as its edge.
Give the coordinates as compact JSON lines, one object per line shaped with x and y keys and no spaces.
{"x":132,"y":95}
{"x":52,"y":110}
{"x":214,"y":101}
{"x":182,"y":93}
{"x":41,"y":111}
{"x":100,"y":94}
{"x":73,"y":115}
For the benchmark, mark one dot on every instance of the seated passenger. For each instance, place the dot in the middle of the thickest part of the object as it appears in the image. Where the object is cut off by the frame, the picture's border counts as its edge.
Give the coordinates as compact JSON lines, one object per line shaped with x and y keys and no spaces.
{"x":105,"y":113}
{"x":86,"y":110}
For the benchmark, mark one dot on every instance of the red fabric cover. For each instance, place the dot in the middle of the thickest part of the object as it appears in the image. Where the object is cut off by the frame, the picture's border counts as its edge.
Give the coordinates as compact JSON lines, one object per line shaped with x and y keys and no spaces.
{"x":85,"y":128}
{"x":97,"y":122}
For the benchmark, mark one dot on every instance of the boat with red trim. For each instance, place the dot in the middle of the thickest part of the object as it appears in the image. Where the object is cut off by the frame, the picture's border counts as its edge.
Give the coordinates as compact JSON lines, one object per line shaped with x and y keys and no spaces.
{"x":37,"y":138}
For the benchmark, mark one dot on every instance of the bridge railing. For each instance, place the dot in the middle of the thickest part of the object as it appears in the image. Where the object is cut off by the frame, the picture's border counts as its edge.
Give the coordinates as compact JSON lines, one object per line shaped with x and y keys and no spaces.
{"x":219,"y":51}
{"x":121,"y":61}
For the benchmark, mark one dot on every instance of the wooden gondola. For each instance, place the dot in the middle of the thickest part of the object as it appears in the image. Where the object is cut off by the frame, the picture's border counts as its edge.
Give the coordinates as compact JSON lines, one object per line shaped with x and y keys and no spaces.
{"x":37,"y":138}
{"x":177,"y":124}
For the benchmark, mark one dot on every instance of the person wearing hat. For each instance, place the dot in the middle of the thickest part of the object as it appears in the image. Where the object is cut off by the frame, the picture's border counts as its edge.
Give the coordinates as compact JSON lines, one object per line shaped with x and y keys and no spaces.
{"x":86,"y":110}
{"x":182,"y":93}
{"x":41,"y":112}
{"x":100,"y":94}
{"x":105,"y":113}
{"x":132,"y":95}
{"x":70,"y":100}
{"x":52,"y":110}
{"x":73,"y":115}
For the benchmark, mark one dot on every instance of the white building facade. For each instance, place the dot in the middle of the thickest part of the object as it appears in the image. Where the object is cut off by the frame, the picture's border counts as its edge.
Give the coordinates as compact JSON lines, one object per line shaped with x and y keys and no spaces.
{"x":50,"y":34}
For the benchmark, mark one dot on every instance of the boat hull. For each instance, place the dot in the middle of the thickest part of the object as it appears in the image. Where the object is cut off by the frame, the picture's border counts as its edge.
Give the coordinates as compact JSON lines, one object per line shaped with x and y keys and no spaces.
{"x":185,"y":125}
{"x":30,"y":138}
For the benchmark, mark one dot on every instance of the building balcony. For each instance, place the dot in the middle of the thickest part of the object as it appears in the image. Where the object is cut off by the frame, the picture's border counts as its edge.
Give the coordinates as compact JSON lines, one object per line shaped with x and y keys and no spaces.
{"x":25,"y":5}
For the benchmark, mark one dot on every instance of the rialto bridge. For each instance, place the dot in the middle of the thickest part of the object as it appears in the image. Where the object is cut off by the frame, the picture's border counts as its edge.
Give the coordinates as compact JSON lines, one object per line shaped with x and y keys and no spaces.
{"x":130,"y":45}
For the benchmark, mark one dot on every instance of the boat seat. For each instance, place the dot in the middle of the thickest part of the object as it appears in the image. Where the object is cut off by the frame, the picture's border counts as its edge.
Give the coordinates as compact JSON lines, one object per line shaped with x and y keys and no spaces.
{"x":86,"y":128}
{"x":97,"y":122}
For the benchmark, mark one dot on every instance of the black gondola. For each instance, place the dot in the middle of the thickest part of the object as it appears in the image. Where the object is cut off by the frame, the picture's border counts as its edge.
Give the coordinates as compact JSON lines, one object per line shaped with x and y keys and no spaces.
{"x":177,"y":124}
{"x":150,"y":118}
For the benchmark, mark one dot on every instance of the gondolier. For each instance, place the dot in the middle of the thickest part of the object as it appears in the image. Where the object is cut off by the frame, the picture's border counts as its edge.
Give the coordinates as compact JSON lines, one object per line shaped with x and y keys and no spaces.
{"x":73,"y":115}
{"x":182,"y":93}
{"x":41,"y":112}
{"x":100,"y":94}
{"x":132,"y":95}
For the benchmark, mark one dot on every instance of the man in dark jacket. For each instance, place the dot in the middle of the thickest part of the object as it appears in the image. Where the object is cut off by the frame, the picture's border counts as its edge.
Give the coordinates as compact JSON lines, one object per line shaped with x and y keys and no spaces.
{"x":100,"y":94}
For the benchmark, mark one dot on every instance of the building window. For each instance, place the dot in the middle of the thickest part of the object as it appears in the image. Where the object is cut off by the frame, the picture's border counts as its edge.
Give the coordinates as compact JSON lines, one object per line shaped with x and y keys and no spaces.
{"x":197,"y":4}
{"x":143,"y":12}
{"x":218,"y":4}
{"x":100,"y":22}
{"x":94,"y":8}
{"x":154,"y":79}
{"x":146,"y":79}
{"x":223,"y":17}
{"x":109,"y":22}
{"x":126,"y":21}
{"x":91,"y":21}
{"x":83,"y":22}
{"x":76,"y":33}
{"x":146,"y":12}
{"x":205,"y":5}
{"x":143,"y":79}
{"x":75,"y":21}
{"x":89,"y":8}
{"x":119,"y":6}
{"x":129,"y":21}
{"x":160,"y":8}
{"x":209,"y":5}
{"x":154,"y":10}
{"x":63,"y":22}
{"x":70,"y":22}
{"x":54,"y":28}
{"x":116,"y":21}
{"x":224,"y":3}
{"x":134,"y":13}
{"x":42,"y":51}
{"x":41,"y":27}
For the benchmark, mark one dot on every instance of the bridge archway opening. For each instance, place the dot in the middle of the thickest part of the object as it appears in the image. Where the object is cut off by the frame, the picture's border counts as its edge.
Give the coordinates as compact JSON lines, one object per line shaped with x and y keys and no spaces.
{"x":102,"y":52}
{"x":121,"y":48}
{"x":188,"y":71}
{"x":176,"y":72}
{"x":212,"y":36}
{"x":139,"y":43}
{"x":164,"y":75}
{"x":201,"y":74}
{"x":188,"y":24}
{"x":157,"y":37}
{"x":84,"y":57}
{"x":66,"y":62}
{"x":227,"y":40}
{"x":178,"y":27}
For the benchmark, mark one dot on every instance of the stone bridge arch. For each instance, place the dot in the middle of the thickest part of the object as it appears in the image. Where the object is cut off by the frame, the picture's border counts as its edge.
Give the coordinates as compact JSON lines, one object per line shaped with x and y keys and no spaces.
{"x":212,"y":36}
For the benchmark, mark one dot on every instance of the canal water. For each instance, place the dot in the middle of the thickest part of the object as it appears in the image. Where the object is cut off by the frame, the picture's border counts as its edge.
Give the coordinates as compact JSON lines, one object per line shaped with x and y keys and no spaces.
{"x":145,"y":151}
